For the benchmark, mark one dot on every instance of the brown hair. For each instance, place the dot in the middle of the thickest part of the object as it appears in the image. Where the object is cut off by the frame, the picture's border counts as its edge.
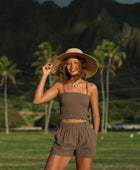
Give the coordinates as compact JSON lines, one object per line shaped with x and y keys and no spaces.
{"x":65,"y":76}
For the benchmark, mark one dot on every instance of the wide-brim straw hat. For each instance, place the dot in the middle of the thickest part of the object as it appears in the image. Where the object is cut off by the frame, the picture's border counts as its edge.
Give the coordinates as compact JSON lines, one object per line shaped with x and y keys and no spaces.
{"x":91,"y":63}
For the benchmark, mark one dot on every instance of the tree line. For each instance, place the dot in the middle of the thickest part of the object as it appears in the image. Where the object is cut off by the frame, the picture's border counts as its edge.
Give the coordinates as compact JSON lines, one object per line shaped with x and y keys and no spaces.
{"x":107,"y":54}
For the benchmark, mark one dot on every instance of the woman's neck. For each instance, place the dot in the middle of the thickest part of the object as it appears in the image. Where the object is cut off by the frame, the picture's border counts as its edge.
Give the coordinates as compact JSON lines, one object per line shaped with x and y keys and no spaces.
{"x":74,"y":80}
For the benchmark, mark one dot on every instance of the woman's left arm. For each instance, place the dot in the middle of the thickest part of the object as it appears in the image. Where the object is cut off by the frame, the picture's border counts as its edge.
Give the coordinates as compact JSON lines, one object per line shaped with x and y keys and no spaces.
{"x":95,"y":106}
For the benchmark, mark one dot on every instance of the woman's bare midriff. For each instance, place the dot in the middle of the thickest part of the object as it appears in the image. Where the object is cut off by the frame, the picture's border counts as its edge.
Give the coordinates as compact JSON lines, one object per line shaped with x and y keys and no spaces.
{"x":73,"y":120}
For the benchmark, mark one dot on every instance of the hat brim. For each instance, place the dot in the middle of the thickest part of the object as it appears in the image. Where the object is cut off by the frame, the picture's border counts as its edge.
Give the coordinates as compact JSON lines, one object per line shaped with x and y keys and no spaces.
{"x":91,"y":63}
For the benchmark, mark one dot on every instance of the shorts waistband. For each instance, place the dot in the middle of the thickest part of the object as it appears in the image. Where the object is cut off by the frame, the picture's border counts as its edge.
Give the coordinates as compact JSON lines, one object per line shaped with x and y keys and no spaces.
{"x":74,"y":124}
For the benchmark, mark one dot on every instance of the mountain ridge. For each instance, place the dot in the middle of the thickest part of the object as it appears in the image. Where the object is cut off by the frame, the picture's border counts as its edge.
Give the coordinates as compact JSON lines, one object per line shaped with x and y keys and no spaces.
{"x":82,"y":24}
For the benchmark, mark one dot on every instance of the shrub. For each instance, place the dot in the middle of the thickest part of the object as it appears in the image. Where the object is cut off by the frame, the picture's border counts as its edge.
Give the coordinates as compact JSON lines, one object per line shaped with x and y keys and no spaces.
{"x":128,"y":110}
{"x":14,"y":120}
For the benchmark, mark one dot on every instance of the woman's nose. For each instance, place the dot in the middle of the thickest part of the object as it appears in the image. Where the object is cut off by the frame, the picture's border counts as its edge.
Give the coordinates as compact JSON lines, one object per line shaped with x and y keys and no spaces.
{"x":72,"y":65}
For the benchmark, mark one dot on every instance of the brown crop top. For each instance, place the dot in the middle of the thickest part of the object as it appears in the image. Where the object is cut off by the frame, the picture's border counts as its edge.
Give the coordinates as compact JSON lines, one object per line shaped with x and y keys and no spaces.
{"x":74,"y":105}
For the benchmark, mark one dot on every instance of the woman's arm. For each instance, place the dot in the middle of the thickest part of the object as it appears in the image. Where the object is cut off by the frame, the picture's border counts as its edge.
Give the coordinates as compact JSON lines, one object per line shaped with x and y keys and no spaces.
{"x":94,"y":106}
{"x":41,"y":96}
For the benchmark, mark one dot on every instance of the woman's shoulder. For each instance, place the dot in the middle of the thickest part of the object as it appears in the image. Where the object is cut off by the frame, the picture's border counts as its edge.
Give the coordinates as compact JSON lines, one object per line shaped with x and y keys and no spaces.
{"x":58,"y":83}
{"x":92,"y":87}
{"x":60,"y":87}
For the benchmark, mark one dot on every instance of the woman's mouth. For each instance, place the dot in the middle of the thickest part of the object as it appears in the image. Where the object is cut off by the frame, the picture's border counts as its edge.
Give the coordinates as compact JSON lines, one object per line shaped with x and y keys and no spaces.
{"x":73,"y":70}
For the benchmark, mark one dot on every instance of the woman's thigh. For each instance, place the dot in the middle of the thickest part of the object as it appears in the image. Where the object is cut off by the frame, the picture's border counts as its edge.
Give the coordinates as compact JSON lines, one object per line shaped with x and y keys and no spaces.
{"x":84,"y":163}
{"x":56,"y":162}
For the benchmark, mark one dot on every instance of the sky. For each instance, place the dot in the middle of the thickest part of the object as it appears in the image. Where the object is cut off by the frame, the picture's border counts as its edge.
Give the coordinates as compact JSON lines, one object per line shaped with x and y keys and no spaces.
{"x":63,"y":3}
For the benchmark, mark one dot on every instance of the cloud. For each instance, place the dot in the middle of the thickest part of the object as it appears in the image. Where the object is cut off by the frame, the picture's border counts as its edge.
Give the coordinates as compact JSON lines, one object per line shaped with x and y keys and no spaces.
{"x":60,"y":3}
{"x":128,"y":1}
{"x":63,"y":3}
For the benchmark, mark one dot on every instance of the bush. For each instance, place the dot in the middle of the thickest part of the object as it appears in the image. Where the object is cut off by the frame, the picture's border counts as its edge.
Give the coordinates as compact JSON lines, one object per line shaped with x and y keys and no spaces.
{"x":54,"y":119}
{"x":128,"y":110}
{"x":14,"y":120}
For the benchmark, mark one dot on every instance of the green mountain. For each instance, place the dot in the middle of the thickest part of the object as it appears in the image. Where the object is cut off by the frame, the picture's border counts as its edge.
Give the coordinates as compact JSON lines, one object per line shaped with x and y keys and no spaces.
{"x":83,"y":24}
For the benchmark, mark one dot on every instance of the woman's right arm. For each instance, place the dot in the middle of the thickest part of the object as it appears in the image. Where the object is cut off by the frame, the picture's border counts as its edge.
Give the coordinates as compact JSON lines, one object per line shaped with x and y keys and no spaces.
{"x":41,"y":96}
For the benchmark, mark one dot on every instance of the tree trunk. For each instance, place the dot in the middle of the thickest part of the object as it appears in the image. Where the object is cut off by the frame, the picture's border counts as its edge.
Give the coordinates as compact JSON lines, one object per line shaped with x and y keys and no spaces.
{"x":103,"y":105}
{"x":47,"y":120}
{"x":107,"y":94}
{"x":6,"y":106}
{"x":46,"y":117}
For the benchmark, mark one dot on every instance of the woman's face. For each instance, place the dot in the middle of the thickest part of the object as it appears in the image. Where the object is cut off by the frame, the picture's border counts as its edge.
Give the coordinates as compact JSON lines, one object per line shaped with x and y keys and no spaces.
{"x":73,"y":66}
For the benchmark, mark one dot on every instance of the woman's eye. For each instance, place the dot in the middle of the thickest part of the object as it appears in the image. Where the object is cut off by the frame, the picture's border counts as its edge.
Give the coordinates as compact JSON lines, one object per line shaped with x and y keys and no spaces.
{"x":76,"y":62}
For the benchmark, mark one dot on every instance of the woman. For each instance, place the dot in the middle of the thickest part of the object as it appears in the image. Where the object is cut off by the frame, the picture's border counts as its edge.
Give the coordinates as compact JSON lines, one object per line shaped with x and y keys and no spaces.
{"x":75,"y":135}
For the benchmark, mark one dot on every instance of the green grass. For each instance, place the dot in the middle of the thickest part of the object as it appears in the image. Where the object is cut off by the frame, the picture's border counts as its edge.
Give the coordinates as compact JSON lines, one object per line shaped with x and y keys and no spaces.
{"x":29,"y":151}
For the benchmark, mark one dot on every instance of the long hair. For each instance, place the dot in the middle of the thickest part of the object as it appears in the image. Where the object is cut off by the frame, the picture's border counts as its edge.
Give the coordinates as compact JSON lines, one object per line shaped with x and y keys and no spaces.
{"x":63,"y":74}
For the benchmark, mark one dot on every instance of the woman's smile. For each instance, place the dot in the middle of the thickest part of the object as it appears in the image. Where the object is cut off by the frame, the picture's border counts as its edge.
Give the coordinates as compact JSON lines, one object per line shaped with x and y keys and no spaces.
{"x":73,"y":66}
{"x":73,"y":70}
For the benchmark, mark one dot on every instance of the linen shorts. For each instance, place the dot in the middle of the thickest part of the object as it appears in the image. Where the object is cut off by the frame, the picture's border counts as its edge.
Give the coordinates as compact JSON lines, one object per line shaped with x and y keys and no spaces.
{"x":75,"y":139}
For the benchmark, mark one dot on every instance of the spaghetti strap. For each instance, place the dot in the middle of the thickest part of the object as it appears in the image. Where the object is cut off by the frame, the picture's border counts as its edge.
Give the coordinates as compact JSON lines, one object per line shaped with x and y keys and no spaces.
{"x":63,"y":88}
{"x":87,"y":87}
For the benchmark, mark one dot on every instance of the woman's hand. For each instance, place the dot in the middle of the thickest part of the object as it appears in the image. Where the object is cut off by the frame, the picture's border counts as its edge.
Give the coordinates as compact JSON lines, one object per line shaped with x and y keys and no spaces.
{"x":47,"y":68}
{"x":41,"y":96}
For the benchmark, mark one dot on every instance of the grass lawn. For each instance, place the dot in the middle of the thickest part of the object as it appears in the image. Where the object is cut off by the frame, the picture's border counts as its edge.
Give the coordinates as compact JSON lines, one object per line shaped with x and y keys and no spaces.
{"x":29,"y":151}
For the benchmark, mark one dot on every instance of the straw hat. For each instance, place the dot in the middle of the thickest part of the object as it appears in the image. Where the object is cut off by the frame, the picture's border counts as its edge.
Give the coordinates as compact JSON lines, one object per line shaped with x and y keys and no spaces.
{"x":90,"y":61}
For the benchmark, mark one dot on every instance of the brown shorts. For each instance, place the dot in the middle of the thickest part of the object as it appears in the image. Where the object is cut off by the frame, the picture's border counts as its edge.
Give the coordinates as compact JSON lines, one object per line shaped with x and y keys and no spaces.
{"x":77,"y":139}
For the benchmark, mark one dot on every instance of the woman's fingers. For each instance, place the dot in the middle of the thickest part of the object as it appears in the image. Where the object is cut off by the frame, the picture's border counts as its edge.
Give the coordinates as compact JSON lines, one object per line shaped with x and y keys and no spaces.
{"x":47,"y":68}
{"x":50,"y":65}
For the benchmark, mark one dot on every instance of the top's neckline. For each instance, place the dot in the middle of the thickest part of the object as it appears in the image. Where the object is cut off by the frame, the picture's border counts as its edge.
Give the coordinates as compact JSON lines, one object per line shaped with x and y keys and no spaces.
{"x":73,"y":93}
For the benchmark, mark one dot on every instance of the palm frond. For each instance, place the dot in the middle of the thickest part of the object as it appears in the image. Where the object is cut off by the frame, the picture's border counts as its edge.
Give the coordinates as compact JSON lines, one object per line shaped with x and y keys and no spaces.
{"x":43,"y":56}
{"x":12,"y":77}
{"x":7,"y":68}
{"x":112,"y":73}
{"x":2,"y":81}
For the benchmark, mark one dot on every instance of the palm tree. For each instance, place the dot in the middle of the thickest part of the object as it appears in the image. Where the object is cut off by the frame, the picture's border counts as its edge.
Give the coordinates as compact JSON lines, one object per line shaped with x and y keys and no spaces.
{"x":115,"y":58}
{"x":108,"y":57}
{"x":7,"y":70}
{"x":45,"y":55}
{"x":100,"y":58}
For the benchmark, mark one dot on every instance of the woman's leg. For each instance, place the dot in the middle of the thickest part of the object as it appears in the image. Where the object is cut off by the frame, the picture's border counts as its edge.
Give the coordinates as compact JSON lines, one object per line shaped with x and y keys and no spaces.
{"x":56,"y":162}
{"x":84,"y":163}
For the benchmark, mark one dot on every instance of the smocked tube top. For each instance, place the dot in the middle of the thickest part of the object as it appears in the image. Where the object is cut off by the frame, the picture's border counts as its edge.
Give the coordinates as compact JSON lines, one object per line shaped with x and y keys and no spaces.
{"x":73,"y":105}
